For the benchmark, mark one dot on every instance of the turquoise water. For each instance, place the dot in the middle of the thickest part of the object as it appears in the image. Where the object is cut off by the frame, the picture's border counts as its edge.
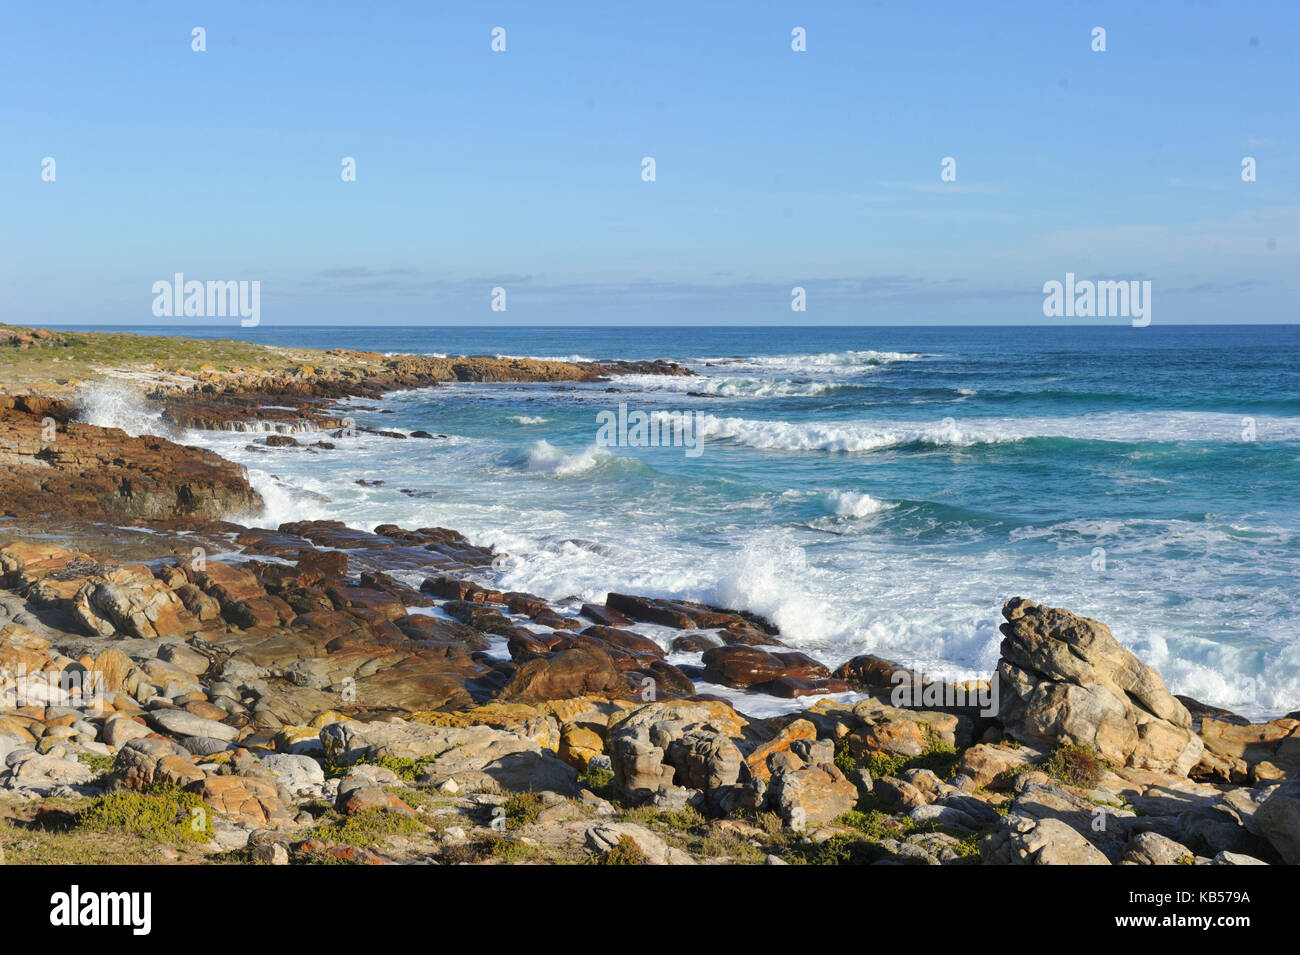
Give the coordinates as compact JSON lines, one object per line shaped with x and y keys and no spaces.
{"x":871,"y":489}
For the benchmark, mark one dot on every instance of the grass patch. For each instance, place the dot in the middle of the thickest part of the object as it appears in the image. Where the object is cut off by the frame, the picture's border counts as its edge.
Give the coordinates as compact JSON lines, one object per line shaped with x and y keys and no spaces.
{"x":840,"y":850}
{"x":1078,"y":766}
{"x":101,"y":766}
{"x":522,"y":809}
{"x":938,"y":756}
{"x":624,"y":852}
{"x":728,"y":844}
{"x":600,"y":781}
{"x":497,"y":846}
{"x":368,"y":829}
{"x":164,"y":815}
{"x":877,"y":825}
{"x":843,"y":758}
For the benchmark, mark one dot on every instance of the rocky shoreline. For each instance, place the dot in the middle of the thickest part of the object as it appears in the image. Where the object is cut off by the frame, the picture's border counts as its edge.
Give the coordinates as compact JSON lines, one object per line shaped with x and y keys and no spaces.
{"x":196,"y":688}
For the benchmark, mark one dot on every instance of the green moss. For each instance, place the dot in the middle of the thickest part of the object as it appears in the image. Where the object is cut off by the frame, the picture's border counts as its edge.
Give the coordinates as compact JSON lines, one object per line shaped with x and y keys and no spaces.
{"x":887,"y":764}
{"x":968,"y":846}
{"x":165,"y":814}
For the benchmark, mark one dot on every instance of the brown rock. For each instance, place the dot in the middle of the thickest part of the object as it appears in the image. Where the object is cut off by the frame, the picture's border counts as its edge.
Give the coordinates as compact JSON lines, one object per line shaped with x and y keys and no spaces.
{"x":568,"y":673}
{"x":744,"y":666}
{"x":252,"y":802}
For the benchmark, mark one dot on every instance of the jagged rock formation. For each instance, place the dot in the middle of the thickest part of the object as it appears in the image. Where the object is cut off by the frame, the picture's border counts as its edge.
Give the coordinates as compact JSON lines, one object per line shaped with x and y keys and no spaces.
{"x":1065,"y":679}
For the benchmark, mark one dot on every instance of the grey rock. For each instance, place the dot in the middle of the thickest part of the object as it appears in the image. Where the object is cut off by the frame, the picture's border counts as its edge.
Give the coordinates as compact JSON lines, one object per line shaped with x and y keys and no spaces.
{"x":1278,"y":819}
{"x":1151,"y":848}
{"x":298,"y":774}
{"x":606,"y":836}
{"x":1024,"y":840}
{"x":1236,"y":858}
{"x":184,"y":723}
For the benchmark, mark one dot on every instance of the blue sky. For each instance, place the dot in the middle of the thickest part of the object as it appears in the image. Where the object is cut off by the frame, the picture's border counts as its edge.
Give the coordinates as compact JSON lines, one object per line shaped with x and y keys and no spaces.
{"x":775,"y":168}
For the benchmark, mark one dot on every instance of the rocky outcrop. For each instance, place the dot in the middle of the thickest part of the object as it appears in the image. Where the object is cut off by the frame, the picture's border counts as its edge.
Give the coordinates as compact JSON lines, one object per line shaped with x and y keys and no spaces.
{"x":1065,"y":679}
{"x":315,"y":671}
{"x":1249,"y":752}
{"x":50,"y":466}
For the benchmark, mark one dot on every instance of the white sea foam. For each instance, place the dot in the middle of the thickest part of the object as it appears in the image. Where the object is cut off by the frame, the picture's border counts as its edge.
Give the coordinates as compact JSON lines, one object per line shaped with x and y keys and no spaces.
{"x":854,"y":504}
{"x":934,"y":606}
{"x":117,"y":406}
{"x":852,"y":360}
{"x":754,"y":387}
{"x":864,"y":436}
{"x":544,"y":457}
{"x":527,"y":419}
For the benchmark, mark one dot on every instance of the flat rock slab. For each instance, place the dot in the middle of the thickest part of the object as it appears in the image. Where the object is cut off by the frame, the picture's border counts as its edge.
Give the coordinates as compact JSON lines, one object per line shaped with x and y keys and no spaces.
{"x":183,"y":723}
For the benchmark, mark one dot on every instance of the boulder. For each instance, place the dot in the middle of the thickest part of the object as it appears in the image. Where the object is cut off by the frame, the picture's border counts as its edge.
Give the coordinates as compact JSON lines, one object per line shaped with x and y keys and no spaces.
{"x":510,"y":761}
{"x":184,"y":723}
{"x":1151,"y":848}
{"x":1064,"y":679}
{"x":250,"y":802}
{"x":1278,"y":820}
{"x":564,"y":674}
{"x":1024,"y":840}
{"x":743,"y":666}
{"x":606,"y":836}
{"x":812,"y":795}
{"x":153,"y":761}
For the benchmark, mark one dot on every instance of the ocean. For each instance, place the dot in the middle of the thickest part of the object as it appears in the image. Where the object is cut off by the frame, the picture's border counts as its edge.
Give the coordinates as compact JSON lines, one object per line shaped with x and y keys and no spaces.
{"x":870,"y":489}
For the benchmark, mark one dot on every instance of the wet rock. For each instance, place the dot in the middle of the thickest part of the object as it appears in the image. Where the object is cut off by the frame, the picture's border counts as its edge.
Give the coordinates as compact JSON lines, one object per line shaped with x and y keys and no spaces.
{"x":605,"y":616}
{"x":103,"y":474}
{"x":667,"y":680}
{"x":745,"y":666}
{"x":695,"y":643}
{"x":627,"y":640}
{"x":567,"y":673}
{"x":790,"y":687}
